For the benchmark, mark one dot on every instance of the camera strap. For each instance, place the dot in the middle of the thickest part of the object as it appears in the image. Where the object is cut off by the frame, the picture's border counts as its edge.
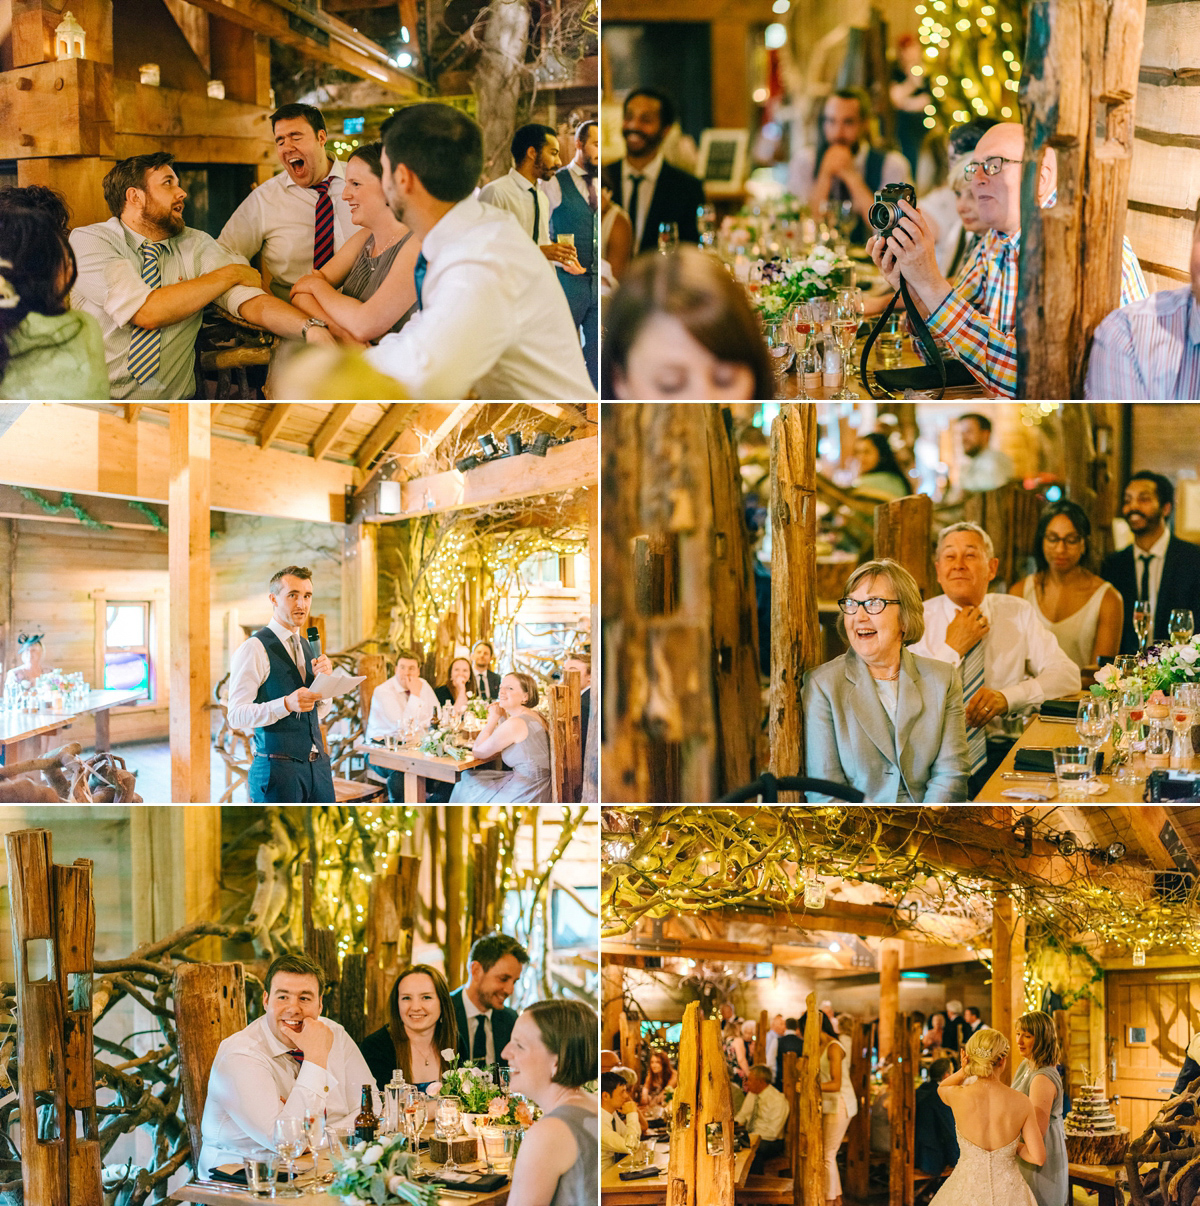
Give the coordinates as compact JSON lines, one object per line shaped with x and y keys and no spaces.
{"x":926,"y":340}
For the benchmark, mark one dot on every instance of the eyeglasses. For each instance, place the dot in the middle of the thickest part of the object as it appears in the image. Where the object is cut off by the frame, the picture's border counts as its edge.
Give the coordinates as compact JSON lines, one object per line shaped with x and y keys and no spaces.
{"x":1072,"y":542}
{"x":871,"y":606}
{"x":991,"y":166}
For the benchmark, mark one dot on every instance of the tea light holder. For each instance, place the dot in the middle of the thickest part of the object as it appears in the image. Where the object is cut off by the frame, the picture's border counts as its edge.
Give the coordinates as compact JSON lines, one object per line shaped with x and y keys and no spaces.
{"x":216,"y":89}
{"x":150,"y":74}
{"x":70,"y":39}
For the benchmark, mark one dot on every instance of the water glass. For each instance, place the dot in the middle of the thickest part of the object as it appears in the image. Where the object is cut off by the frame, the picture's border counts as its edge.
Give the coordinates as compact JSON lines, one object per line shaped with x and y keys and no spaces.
{"x":1181,"y":626}
{"x":668,"y":236}
{"x":779,"y":348}
{"x":890,"y":342}
{"x":260,"y":1173}
{"x":1072,"y":769}
{"x":336,"y":1138}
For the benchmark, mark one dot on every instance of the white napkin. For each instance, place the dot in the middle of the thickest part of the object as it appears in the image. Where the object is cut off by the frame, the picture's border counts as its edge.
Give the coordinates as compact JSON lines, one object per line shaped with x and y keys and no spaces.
{"x":327,"y":686}
{"x":1048,"y":792}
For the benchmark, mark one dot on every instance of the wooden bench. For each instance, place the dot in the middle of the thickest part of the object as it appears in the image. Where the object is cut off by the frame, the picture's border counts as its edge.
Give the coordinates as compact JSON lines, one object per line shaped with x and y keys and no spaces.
{"x":765,"y":1191}
{"x":352,"y":791}
{"x":1105,"y":1180}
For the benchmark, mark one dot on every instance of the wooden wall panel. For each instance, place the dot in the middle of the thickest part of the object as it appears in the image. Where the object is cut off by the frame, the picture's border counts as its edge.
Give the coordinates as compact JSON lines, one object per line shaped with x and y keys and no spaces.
{"x":1163,"y":437}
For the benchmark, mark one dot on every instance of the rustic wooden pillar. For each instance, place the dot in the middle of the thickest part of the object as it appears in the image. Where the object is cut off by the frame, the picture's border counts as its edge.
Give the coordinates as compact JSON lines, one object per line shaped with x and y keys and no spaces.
{"x":686,"y":1136}
{"x":591,"y":739}
{"x":791,"y":1136}
{"x":188,"y":561}
{"x":198,"y":868}
{"x":391,"y":916}
{"x":1077,"y":457}
{"x":858,"y":1150}
{"x":715,"y":1155}
{"x":360,"y":583}
{"x":1078,"y":85}
{"x":760,"y":1038}
{"x":630,"y":1037}
{"x":889,"y":996}
{"x":902,"y":1108}
{"x":808,"y":1174}
{"x":903,"y":532}
{"x":455,"y":878}
{"x":1008,"y":969}
{"x":612,"y":1003}
{"x":795,"y":629}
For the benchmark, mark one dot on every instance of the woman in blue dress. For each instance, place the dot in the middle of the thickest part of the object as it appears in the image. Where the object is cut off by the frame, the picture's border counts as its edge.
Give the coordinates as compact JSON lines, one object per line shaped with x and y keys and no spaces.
{"x":1038,"y":1078}
{"x":419,"y":1028}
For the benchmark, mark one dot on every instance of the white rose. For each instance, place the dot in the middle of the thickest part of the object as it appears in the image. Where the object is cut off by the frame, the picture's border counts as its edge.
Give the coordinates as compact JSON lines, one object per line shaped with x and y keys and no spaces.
{"x":372,"y":1154}
{"x":448,"y":1054}
{"x":433,"y":1089}
{"x":822,"y":268}
{"x":1189,"y":654}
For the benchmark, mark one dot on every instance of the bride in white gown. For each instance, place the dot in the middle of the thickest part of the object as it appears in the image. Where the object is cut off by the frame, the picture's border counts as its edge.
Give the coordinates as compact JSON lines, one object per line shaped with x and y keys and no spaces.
{"x":995,"y":1126}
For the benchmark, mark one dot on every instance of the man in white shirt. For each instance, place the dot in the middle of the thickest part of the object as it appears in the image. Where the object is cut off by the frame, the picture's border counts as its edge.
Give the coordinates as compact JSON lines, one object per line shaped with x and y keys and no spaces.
{"x":405,"y":700}
{"x":297,"y":219}
{"x":285,"y":1064}
{"x":620,"y":1121}
{"x":491,"y":317}
{"x":484,"y":1022}
{"x":776,"y":1031}
{"x":986,"y":468}
{"x":270,"y":681}
{"x":764,"y":1113}
{"x":1009,"y":660}
{"x":146,"y":278}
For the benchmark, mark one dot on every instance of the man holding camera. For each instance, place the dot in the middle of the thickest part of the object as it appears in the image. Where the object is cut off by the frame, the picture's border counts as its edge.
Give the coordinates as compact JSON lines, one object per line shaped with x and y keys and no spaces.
{"x":978,"y":317}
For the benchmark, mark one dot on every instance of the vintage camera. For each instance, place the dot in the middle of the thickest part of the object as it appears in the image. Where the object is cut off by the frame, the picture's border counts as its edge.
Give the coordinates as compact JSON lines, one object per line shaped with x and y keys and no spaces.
{"x":885,"y":212}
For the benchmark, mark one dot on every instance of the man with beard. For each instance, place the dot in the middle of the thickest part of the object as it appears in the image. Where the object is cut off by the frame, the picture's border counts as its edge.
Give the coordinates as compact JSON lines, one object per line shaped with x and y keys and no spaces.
{"x":297,"y":219}
{"x":1167,"y":569}
{"x":146,"y":278}
{"x":491,"y":317}
{"x":574,"y":200}
{"x":485,"y":1023}
{"x":650,"y":190}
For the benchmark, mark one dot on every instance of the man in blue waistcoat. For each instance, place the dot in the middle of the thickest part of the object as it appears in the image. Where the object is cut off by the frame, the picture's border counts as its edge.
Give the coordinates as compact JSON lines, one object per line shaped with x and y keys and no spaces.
{"x":269,"y":692}
{"x":574,"y":196}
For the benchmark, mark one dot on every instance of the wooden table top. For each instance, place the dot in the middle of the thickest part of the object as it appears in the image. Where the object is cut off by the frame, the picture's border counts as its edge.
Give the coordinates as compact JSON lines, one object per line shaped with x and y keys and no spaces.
{"x":428,"y":766}
{"x":17,"y":726}
{"x":908,"y":359}
{"x":652,"y":1190}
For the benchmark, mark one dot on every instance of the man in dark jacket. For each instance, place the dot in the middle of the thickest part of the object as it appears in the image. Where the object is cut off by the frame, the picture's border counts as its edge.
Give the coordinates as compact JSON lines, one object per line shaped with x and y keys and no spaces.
{"x":789,"y":1040}
{"x":485,"y":1024}
{"x":935,"y":1143}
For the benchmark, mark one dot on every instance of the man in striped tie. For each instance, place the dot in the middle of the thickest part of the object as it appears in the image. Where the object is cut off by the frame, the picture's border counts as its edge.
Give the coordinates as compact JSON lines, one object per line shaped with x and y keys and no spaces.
{"x":1009,"y":660}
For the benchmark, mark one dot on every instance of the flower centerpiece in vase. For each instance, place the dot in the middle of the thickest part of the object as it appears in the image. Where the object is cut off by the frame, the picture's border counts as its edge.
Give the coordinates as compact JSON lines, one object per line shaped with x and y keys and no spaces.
{"x":379,"y":1174}
{"x":787,"y":283}
{"x":484,"y":1102}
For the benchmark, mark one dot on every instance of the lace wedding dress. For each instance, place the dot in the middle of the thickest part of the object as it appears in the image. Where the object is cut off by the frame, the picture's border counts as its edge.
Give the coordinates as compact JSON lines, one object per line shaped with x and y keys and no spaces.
{"x":983,"y":1178}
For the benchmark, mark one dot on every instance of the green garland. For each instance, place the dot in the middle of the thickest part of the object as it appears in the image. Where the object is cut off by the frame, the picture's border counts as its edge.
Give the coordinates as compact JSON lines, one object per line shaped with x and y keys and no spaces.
{"x":68,"y":504}
{"x":149,"y":513}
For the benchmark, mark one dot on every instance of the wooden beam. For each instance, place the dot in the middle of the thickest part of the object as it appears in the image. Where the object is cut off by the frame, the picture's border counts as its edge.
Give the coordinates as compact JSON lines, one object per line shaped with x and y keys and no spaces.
{"x":557,"y":410}
{"x":132,"y":410}
{"x":339,"y":416}
{"x":188,"y":562}
{"x":115,"y":512}
{"x":449,"y":424}
{"x":1008,"y":968}
{"x":1147,"y":824}
{"x":838,"y":916}
{"x":275,"y":420}
{"x":217,"y":407}
{"x":889,"y":997}
{"x":384,"y":432}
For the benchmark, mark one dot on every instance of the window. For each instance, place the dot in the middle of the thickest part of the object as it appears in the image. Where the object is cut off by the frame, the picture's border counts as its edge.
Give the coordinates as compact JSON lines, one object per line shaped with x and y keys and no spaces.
{"x":543,"y":568}
{"x":127,"y":648}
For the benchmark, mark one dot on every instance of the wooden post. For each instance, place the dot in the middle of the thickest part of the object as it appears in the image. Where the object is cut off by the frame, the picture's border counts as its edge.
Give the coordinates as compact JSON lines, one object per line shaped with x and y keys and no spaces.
{"x":360,"y":583}
{"x":198,"y":863}
{"x":631,"y":1042}
{"x":455,"y":872}
{"x":591,"y":739}
{"x":390,"y":920}
{"x":889,"y":996}
{"x":612,"y":1003}
{"x":760,"y":1039}
{"x":685,"y":1130}
{"x":858,"y":1150}
{"x":1078,"y":85}
{"x":715,"y":1155}
{"x":795,"y":630}
{"x":808,"y":1182}
{"x":1008,"y":968}
{"x":188,"y":560}
{"x":792,"y":1135}
{"x":903,"y":532}
{"x":902,"y":1108}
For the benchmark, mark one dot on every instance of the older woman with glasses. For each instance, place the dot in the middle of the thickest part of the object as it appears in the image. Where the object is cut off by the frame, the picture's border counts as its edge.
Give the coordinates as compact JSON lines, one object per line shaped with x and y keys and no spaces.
{"x":879,"y":718}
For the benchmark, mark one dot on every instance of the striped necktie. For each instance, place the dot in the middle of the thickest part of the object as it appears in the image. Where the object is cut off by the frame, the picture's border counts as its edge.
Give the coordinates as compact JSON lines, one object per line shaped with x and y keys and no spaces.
{"x":972,"y":671}
{"x":323,"y":226}
{"x":419,"y":271}
{"x":145,"y":347}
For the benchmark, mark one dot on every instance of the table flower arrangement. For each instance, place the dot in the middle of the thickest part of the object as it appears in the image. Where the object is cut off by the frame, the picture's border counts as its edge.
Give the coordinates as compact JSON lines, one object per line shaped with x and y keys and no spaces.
{"x":444,"y":743}
{"x":1159,"y":669}
{"x":787,"y":283}
{"x":381,"y":1173}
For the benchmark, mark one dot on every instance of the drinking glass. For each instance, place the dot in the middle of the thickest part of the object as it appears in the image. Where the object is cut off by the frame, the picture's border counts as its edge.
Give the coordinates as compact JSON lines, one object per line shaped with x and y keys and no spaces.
{"x":415,"y":1113}
{"x":504,"y":1075}
{"x":1181,"y":626}
{"x":1094,"y":723}
{"x":1126,"y":664}
{"x":846,"y":220}
{"x":891,"y":342}
{"x":1141,"y":623}
{"x":848,"y":312}
{"x":449,"y":1114}
{"x":1072,"y":769}
{"x":336,"y":1138}
{"x":314,"y":1129}
{"x":1131,"y":705}
{"x":260,"y":1172}
{"x":804,"y":334}
{"x":668,"y":236}
{"x":779,"y":348}
{"x":289,"y":1143}
{"x":706,"y":223}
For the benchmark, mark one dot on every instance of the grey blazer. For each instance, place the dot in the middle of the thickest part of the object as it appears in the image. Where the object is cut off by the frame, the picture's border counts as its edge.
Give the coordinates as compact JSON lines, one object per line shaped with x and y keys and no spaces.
{"x":848,"y":736}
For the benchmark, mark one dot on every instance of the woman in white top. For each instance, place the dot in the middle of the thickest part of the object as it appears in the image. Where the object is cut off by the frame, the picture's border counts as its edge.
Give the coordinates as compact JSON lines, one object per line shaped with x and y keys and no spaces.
{"x":1084,"y":612}
{"x":838,"y":1104}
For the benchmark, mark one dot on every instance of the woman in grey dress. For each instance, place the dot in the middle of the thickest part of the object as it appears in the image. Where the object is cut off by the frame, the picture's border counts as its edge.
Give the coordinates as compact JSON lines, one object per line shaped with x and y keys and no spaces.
{"x":367,"y":289}
{"x":519,"y":735}
{"x":1038,"y":1078}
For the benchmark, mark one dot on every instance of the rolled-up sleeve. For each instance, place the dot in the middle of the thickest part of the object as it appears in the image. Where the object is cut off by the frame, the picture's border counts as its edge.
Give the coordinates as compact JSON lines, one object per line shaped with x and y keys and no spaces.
{"x":106,"y":279}
{"x":214,"y":256}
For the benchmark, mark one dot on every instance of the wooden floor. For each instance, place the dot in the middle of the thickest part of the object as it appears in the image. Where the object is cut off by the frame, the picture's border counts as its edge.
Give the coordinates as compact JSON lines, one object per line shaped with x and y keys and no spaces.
{"x":152,"y":761}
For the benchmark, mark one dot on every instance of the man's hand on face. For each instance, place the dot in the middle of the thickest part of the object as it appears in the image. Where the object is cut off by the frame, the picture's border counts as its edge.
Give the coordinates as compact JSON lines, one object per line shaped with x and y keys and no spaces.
{"x":322,"y":665}
{"x":838,"y":161}
{"x":302,"y":700}
{"x":967,"y":629}
{"x":315,"y":1040}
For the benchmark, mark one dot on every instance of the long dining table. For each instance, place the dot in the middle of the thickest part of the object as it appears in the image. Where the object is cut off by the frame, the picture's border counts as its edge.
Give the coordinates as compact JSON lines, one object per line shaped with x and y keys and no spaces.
{"x":417,"y":766}
{"x":25,"y":735}
{"x":652,"y":1191}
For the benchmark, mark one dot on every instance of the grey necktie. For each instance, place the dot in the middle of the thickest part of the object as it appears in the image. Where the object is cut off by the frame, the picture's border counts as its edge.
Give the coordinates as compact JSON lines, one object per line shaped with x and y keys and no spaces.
{"x":297,"y":653}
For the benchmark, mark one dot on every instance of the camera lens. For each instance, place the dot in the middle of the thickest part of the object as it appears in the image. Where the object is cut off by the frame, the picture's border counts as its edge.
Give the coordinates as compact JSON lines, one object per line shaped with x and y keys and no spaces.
{"x":882,"y":216}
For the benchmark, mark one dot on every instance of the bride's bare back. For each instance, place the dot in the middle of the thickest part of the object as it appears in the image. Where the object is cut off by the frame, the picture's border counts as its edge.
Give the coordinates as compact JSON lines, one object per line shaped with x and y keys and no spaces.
{"x":991,"y":1115}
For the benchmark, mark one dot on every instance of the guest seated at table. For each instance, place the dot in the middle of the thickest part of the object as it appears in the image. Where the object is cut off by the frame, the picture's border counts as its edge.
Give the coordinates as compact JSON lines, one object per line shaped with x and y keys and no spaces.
{"x":879,"y":476}
{"x":520,"y":736}
{"x":660,"y":1077}
{"x":419,"y":1028}
{"x":285,"y":1064}
{"x":935,"y":1143}
{"x":764,"y":1113}
{"x":459,"y":687}
{"x":879,"y":718}
{"x":935,"y":1035}
{"x":679,"y":327}
{"x":1084,"y":612}
{"x":790,"y":1040}
{"x":1007,"y":658}
{"x":482,"y":1020}
{"x":366,"y":289}
{"x":977,"y":316}
{"x":47,"y":350}
{"x":31,"y":653}
{"x":486,"y":681}
{"x":404,"y":704}
{"x":552,"y":1055}
{"x":620,"y":1120}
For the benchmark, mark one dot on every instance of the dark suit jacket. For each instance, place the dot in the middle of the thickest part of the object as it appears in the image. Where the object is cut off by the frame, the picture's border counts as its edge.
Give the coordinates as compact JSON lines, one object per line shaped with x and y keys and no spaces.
{"x":935,"y":1142}
{"x":493,"y":683}
{"x":787,"y":1042}
{"x":955,"y":1033}
{"x":502,"y":1027}
{"x":1180,"y":586}
{"x":677,"y":196}
{"x":585,"y":711}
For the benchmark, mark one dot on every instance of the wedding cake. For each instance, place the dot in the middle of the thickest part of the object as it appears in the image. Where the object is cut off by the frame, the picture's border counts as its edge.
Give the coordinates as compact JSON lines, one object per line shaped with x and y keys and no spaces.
{"x":1093,"y":1135}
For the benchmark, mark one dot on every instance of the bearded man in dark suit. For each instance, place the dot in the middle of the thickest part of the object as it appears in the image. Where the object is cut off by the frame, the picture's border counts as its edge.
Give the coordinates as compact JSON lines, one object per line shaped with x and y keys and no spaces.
{"x":485,"y":1023}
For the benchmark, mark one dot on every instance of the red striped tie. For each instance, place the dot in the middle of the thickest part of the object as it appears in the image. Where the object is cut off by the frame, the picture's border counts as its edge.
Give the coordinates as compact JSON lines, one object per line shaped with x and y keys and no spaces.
{"x":323,"y":226}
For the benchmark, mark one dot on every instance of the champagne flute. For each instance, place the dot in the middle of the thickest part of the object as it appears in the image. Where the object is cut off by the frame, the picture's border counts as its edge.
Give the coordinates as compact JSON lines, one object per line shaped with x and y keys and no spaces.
{"x":1141,"y":623}
{"x":415,"y":1111}
{"x":804,"y":328}
{"x":848,"y":312}
{"x":289,"y":1143}
{"x":1181,"y":626}
{"x":449,"y":1114}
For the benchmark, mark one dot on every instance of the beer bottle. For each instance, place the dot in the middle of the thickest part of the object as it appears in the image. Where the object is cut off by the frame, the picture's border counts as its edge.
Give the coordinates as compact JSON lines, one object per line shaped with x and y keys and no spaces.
{"x":367,"y":1122}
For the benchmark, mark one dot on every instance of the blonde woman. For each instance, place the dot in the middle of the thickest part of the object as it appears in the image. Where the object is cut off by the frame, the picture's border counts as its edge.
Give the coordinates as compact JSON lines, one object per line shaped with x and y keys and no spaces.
{"x":996,"y":1127}
{"x":1038,"y":1078}
{"x":838,"y":1104}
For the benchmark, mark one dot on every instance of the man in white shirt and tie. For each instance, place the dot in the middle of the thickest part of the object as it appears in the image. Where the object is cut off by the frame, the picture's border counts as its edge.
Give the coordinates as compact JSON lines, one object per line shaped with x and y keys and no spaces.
{"x":287,"y":1063}
{"x":487,"y":683}
{"x":405,"y":701}
{"x":484,"y":1023}
{"x":270,"y":691}
{"x":620,"y":1121}
{"x":1009,"y":660}
{"x":764,"y":1113}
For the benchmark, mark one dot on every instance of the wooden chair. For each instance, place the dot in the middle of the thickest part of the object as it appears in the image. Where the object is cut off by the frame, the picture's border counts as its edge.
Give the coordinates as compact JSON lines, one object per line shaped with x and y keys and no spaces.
{"x":925,"y":1185}
{"x":210,"y":1005}
{"x":765,"y":1191}
{"x":566,"y":739}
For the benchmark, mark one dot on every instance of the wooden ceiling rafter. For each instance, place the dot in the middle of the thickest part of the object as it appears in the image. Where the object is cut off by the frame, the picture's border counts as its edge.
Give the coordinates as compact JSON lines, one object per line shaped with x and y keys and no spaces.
{"x":276,"y":418}
{"x":333,"y":426}
{"x":132,"y":410}
{"x":384,"y":433}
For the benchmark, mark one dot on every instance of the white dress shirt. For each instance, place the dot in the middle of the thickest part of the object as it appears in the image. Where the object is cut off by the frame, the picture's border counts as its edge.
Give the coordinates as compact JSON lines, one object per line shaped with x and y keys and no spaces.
{"x":392,"y":707}
{"x":254,"y":1081}
{"x":475,"y":1018}
{"x":110,"y":288}
{"x":579,"y":178}
{"x":649,"y":175}
{"x":1157,"y":553}
{"x":1021,"y":659}
{"x":987,"y":470}
{"x":803,"y":167}
{"x":764,"y":1114}
{"x":618,"y":1135}
{"x":515,"y":194}
{"x":772,"y":1049}
{"x":279,"y":219}
{"x":495,"y":319}
{"x":248,"y":671}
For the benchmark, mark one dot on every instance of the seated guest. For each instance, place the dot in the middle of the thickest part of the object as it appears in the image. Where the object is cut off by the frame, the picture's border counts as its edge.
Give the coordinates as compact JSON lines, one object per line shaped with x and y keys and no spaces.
{"x":552,"y":1054}
{"x":1008,"y":660}
{"x":492,"y":317}
{"x":482,"y":1021}
{"x":985,"y":466}
{"x":620,"y":1120}
{"x":405,"y":702}
{"x":146,"y":278}
{"x":38,"y":196}
{"x":935,"y":1035}
{"x":977,"y":317}
{"x":484,"y":678}
{"x":299,"y":218}
{"x":879,"y":718}
{"x":583,"y":663}
{"x":519,"y":735}
{"x":47,"y":350}
{"x":459,"y":687}
{"x":879,"y":476}
{"x":1167,"y":570}
{"x":660,"y":1077}
{"x":680,"y":327}
{"x":935,"y":1141}
{"x":1084,"y":612}
{"x":1150,"y":349}
{"x":366,"y":289}
{"x":419,"y":1028}
{"x":764,"y":1113}
{"x":285,"y":1064}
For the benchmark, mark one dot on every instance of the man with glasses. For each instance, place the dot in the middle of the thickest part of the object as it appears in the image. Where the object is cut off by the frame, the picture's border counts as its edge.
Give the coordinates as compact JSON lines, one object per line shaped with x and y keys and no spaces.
{"x":977,"y":317}
{"x":1009,"y":661}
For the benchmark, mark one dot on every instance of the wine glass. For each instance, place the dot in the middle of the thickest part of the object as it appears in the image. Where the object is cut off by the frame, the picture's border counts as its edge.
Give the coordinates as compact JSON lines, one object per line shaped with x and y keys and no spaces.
{"x":1093,"y":724}
{"x":668,"y":236}
{"x":846,"y":220}
{"x":1131,"y":709}
{"x":804,"y":331}
{"x":706,"y":223}
{"x":1141,"y":623}
{"x":289,"y":1143}
{"x":779,"y":347}
{"x":449,"y":1115}
{"x":849,"y":308}
{"x":314,"y":1129}
{"x":415,"y":1112}
{"x":1181,"y":626}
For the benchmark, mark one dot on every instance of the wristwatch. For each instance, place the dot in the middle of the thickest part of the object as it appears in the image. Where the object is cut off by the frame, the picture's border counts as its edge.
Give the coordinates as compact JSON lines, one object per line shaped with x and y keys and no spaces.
{"x":312,"y":322}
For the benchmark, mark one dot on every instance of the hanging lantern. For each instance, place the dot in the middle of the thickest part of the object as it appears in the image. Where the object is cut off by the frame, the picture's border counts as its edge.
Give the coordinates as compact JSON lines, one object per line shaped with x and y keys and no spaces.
{"x":149,"y":74}
{"x":70,"y":40}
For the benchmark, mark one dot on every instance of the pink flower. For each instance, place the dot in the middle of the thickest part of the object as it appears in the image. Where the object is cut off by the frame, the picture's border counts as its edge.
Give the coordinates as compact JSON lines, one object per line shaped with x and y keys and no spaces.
{"x":524,"y":1116}
{"x":497,"y":1107}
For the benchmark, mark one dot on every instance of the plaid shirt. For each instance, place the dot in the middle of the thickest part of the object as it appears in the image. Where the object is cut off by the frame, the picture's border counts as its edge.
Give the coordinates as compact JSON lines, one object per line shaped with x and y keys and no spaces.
{"x":1148,"y":350}
{"x":978,"y":319}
